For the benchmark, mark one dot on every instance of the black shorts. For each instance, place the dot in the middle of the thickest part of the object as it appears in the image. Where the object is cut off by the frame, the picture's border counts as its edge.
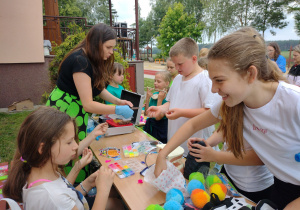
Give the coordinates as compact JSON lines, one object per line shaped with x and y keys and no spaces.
{"x":284,"y":193}
{"x":254,"y":196}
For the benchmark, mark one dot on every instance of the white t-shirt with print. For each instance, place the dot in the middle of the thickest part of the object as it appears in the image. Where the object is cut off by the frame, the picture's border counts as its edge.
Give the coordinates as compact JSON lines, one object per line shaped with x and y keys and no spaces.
{"x":250,"y":178}
{"x":53,"y":195}
{"x":273,"y":131}
{"x":191,"y":94}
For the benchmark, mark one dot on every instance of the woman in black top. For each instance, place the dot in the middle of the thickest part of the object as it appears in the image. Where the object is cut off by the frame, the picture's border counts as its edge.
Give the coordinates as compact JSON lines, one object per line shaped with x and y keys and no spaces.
{"x":82,"y":76}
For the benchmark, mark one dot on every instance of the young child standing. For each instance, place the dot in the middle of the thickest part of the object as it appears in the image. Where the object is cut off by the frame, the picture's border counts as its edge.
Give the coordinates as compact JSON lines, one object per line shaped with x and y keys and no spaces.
{"x":190,"y":92}
{"x":47,"y":140}
{"x":257,"y":107}
{"x":171,"y":68}
{"x":158,"y":127}
{"x":114,"y":86}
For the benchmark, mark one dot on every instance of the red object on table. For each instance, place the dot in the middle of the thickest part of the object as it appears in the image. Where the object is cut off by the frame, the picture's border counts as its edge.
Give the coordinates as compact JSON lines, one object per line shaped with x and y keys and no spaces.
{"x":114,"y":124}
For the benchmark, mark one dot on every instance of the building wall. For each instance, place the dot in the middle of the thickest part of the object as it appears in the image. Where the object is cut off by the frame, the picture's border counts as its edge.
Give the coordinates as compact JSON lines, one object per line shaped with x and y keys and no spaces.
{"x":21,"y":36}
{"x":31,"y":80}
{"x":20,"y":81}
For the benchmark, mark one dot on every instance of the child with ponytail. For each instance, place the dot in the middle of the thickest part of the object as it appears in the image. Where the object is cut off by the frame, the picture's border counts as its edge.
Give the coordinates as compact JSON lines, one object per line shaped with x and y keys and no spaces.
{"x":258,"y":107}
{"x":47,"y":140}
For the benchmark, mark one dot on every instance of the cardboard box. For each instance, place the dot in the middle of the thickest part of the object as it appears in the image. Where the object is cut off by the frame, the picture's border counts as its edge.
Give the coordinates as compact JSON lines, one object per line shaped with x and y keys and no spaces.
{"x":137,"y":100}
{"x":26,"y":104}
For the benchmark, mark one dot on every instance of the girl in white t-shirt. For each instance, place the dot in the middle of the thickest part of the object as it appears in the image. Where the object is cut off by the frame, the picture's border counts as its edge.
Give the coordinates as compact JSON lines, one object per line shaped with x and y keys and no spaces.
{"x":257,"y":106}
{"x":46,"y":141}
{"x":252,"y":180}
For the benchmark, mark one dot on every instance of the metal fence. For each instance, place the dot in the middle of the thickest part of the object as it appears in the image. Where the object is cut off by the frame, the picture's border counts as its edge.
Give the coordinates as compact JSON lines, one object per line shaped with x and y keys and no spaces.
{"x":56,"y":29}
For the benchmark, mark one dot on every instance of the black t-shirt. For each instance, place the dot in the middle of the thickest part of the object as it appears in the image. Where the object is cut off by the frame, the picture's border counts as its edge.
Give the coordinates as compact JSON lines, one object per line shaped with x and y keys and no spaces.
{"x":295,"y":70}
{"x":76,"y":62}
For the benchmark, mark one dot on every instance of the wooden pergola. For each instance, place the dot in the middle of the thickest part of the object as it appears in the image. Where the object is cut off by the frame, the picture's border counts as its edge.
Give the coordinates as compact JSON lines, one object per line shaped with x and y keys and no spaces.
{"x":51,"y":9}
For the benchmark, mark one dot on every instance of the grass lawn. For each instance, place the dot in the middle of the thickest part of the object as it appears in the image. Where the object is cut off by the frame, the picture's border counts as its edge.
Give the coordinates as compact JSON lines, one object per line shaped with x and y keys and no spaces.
{"x":9,"y":127}
{"x":286,"y":54}
{"x":148,"y":83}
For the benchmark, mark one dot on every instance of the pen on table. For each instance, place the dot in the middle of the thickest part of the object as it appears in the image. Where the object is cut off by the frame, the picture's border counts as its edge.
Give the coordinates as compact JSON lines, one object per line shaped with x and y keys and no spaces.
{"x":134,"y":108}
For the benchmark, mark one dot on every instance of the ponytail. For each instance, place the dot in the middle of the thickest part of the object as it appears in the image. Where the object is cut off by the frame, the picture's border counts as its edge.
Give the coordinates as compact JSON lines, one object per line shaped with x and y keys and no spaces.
{"x":233,"y":132}
{"x":43,"y":126}
{"x":17,"y":176}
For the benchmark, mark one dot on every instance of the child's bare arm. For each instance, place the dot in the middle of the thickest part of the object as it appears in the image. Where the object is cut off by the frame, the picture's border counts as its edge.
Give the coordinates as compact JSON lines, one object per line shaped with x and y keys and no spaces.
{"x":161,"y":96}
{"x":103,"y":183}
{"x":98,"y":131}
{"x":208,"y":154}
{"x":87,"y":157}
{"x":148,"y":96}
{"x":158,"y":111}
{"x":185,"y":131}
{"x":295,"y":204}
{"x":175,"y":113}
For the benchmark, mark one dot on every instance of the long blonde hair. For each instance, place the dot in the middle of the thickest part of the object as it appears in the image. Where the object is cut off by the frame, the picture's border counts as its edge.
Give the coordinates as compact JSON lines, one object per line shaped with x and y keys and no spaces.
{"x":241,"y":49}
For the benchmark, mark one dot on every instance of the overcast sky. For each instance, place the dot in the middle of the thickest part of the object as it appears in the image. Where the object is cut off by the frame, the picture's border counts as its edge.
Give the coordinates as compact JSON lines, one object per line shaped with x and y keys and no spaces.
{"x":126,"y":14}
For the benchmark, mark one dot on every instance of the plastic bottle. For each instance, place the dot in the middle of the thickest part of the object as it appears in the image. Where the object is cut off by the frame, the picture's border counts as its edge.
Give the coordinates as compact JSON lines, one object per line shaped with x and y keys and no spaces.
{"x":92,"y":192}
{"x":90,"y":126}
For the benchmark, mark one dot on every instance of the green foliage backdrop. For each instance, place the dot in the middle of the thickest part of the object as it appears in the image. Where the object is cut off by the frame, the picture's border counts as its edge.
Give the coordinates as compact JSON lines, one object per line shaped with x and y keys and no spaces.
{"x":175,"y":25}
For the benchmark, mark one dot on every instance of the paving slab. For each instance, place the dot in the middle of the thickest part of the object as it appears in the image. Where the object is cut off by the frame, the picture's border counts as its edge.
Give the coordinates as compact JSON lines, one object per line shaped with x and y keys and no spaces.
{"x":150,"y":68}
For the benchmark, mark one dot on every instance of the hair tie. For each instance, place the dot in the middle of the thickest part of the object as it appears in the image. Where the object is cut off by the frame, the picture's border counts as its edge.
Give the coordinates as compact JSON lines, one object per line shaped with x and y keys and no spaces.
{"x":24,"y":161}
{"x":254,"y":36}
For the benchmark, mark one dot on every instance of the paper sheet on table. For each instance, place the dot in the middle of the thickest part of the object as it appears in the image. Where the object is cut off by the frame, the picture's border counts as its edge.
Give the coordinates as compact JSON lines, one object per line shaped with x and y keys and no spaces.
{"x":168,"y":179}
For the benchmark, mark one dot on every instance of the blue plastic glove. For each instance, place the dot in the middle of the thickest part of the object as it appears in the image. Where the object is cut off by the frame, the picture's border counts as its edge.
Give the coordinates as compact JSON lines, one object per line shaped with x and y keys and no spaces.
{"x":125,"y":111}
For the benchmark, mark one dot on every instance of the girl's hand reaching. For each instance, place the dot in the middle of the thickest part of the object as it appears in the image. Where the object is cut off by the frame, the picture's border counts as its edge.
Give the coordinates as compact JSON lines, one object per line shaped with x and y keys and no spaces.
{"x":192,"y":141}
{"x":161,"y":164}
{"x":162,"y":94}
{"x":104,"y":179}
{"x":99,"y":130}
{"x":203,"y":154}
{"x":87,"y":157}
{"x":155,"y":111}
{"x":174,"y":113}
{"x":149,"y":93}
{"x":91,"y":180}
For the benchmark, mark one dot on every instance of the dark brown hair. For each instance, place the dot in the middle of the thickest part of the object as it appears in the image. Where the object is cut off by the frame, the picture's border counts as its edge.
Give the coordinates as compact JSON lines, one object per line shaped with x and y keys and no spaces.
{"x":44,"y":125}
{"x":118,"y":68}
{"x":276,"y":48}
{"x":241,"y":49}
{"x":93,"y":47}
